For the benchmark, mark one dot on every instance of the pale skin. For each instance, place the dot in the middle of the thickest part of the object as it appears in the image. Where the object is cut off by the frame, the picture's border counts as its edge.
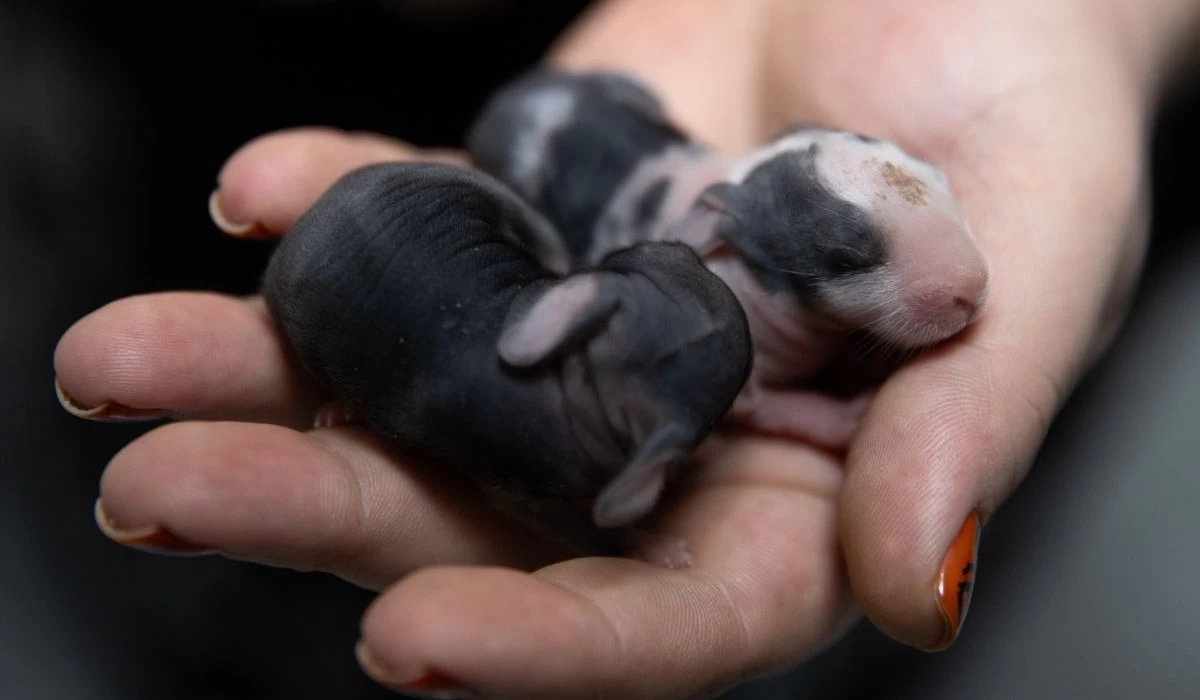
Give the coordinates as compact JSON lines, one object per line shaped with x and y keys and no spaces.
{"x":1037,"y":111}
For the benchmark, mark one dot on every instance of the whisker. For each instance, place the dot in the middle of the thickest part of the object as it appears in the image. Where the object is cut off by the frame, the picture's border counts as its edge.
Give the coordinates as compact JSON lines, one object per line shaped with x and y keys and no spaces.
{"x":797,"y":273}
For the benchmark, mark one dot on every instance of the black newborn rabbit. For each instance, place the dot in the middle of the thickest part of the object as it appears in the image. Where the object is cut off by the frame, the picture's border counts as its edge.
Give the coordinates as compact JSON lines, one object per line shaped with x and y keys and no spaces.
{"x":430,"y":299}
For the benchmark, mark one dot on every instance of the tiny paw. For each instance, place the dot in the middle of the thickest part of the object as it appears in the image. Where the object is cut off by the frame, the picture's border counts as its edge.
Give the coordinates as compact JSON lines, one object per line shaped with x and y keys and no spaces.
{"x":661,"y":550}
{"x":857,"y":407}
{"x":333,"y":414}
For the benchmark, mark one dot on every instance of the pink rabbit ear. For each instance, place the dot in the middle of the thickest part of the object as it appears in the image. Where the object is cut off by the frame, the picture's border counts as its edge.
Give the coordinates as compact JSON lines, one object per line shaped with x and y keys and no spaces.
{"x":713,"y":213}
{"x":637,"y":489}
{"x":568,"y":313}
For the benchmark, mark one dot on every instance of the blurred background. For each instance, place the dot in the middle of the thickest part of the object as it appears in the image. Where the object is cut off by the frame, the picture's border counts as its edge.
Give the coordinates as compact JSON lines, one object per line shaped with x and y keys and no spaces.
{"x":113,"y":124}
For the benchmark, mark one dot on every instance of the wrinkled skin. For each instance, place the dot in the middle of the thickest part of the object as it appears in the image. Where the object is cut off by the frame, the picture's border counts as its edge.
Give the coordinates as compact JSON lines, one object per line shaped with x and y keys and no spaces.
{"x":403,"y":286}
{"x":833,"y":241}
{"x":790,"y":545}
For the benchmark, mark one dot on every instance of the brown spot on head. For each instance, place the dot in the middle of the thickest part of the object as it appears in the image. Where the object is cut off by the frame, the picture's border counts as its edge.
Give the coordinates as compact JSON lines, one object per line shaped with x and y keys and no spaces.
{"x":913,"y":190}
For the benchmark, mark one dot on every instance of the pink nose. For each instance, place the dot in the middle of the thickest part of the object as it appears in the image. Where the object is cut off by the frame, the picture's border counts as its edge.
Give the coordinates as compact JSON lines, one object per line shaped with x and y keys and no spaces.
{"x":947,"y":306}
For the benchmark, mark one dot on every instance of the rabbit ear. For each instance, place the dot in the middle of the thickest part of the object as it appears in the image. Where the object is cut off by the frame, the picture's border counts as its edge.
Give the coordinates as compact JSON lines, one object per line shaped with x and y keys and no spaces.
{"x":533,"y":231}
{"x":705,"y":225}
{"x":570,"y":312}
{"x":724,"y":199}
{"x":636,"y":490}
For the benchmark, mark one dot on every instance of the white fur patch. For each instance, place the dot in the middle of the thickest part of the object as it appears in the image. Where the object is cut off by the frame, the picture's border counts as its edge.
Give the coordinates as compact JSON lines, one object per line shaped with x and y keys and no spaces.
{"x":688,"y":170}
{"x":546,"y":112}
{"x":861,"y":173}
{"x":791,"y":143}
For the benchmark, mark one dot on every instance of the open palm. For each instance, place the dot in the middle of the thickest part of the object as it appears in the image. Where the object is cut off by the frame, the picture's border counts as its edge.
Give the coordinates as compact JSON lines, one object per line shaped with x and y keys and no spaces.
{"x":787,"y":542}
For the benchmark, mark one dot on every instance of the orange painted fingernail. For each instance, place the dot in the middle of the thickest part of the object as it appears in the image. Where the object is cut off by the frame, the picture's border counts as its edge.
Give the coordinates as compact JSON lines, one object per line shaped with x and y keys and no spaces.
{"x":957,"y":579}
{"x":151,"y":538}
{"x":419,"y":682}
{"x":435,"y":685}
{"x":107,"y":412}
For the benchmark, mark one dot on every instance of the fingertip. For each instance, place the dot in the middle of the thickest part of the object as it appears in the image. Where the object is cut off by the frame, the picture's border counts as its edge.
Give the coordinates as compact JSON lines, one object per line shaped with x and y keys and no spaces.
{"x":150,"y":537}
{"x":65,"y":356}
{"x":263,"y":183}
{"x":105,"y":411}
{"x":258,"y":492}
{"x":383,"y":670}
{"x":928,"y":462}
{"x":482,"y":627}
{"x":230,"y":224}
{"x":181,"y":354}
{"x":915,"y":602}
{"x":144,"y":485}
{"x":271,"y":181}
{"x":90,"y":348}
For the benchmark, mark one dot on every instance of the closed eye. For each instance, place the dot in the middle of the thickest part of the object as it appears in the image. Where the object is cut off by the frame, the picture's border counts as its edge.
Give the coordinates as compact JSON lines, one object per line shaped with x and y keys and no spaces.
{"x":847,"y":261}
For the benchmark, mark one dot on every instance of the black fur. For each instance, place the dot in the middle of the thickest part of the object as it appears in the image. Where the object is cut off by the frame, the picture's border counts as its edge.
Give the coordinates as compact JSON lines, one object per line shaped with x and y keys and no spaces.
{"x":578,"y":179}
{"x":650,"y":203}
{"x":793,"y":231}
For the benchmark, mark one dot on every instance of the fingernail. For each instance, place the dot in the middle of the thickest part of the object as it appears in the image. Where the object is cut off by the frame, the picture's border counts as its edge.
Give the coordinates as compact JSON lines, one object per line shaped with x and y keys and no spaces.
{"x":152,"y":538}
{"x":957,"y":579}
{"x":251,"y":230}
{"x":108,"y":412}
{"x":419,"y":682}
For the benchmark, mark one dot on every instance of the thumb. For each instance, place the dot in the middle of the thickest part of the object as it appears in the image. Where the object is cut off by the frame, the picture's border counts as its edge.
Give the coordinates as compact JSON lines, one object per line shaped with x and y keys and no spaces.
{"x":946,"y":441}
{"x":951,"y":435}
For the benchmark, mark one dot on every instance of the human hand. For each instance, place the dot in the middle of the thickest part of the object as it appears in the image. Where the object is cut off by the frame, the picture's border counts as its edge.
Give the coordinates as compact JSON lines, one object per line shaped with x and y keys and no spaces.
{"x":1010,"y":100}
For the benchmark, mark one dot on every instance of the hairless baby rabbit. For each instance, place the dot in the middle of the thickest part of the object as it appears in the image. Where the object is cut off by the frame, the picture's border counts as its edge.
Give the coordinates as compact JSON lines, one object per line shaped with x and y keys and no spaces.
{"x":823,"y":234}
{"x":425,"y":297}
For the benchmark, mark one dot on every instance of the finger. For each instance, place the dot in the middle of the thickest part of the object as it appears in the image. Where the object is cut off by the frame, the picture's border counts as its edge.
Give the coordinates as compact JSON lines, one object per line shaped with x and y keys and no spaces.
{"x":271,"y":181}
{"x":185,"y":355}
{"x":765,"y":591}
{"x":330,"y":501}
{"x":954,"y":433}
{"x":201,"y":355}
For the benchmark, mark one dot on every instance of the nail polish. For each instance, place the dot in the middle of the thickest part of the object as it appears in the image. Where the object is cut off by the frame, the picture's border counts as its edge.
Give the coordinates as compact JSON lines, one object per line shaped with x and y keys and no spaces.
{"x":435,"y":685}
{"x":152,"y":538}
{"x":107,"y":412}
{"x":422,"y":683}
{"x":956,"y":580}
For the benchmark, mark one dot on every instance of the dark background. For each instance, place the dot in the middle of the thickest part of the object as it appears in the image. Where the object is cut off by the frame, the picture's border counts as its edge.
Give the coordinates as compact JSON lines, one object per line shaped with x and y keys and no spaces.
{"x":113,"y":124}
